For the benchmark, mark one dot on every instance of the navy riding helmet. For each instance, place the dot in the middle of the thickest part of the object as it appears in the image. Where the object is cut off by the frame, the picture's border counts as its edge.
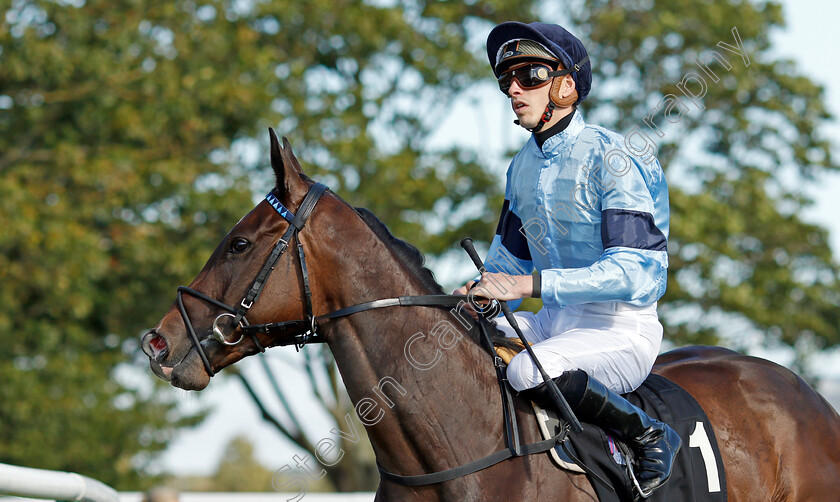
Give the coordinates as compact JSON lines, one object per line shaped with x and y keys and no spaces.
{"x":565,"y":47}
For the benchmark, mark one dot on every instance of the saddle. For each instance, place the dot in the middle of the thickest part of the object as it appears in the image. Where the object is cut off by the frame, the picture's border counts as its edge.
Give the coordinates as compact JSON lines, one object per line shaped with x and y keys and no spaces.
{"x":698,"y":474}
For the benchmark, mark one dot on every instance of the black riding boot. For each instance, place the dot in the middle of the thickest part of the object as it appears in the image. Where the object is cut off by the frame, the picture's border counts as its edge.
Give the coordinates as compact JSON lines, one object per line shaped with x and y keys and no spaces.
{"x":654,"y":443}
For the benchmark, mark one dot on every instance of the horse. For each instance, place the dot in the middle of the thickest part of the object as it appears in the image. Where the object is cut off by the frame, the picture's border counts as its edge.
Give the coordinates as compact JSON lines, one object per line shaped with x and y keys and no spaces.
{"x":424,"y":387}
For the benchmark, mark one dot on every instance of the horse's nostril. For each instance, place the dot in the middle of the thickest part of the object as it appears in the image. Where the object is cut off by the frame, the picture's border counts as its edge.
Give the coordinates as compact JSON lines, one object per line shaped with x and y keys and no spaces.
{"x":154,"y":345}
{"x":158,"y":343}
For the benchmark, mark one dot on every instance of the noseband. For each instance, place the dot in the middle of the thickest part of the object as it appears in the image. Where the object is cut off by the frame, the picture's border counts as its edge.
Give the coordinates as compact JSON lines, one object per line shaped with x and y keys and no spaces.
{"x":237,"y":314}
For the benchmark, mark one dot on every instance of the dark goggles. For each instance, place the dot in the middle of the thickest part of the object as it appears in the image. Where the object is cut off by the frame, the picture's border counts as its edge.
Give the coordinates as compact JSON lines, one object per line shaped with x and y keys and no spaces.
{"x":529,"y":76}
{"x":533,"y":75}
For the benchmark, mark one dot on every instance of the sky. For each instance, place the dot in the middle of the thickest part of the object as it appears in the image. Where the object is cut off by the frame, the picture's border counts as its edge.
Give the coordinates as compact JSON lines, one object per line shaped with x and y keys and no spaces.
{"x":810,"y":39}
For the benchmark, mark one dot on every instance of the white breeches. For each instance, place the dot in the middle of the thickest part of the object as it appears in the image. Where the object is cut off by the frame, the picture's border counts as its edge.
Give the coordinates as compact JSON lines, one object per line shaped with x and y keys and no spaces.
{"x":614,"y":342}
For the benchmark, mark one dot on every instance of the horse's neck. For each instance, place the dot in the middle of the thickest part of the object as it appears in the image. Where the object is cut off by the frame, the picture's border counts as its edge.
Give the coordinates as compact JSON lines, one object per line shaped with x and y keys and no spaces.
{"x":419,"y":383}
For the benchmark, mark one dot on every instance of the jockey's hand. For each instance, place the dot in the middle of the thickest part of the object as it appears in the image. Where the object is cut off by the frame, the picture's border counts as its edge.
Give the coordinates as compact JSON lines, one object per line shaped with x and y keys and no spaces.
{"x":504,"y":286}
{"x":476,"y":304}
{"x":463,"y":290}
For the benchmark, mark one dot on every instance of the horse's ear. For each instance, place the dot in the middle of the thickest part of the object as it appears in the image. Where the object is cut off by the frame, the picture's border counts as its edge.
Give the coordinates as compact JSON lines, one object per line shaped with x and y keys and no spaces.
{"x":286,"y":167}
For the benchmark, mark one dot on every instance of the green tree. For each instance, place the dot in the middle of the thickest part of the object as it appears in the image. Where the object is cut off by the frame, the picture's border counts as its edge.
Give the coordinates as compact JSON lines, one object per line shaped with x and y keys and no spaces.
{"x":127,"y":132}
{"x":239,"y":471}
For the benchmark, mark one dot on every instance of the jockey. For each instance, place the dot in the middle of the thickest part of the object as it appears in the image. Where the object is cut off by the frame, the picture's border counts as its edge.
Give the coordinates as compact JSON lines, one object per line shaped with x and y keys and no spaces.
{"x":590,"y":219}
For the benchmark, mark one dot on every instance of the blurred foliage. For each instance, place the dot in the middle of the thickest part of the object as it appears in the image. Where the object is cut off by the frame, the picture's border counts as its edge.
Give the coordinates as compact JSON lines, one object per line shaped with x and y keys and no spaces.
{"x":238,"y":471}
{"x":127,"y":139}
{"x":128,"y":132}
{"x":354,"y":468}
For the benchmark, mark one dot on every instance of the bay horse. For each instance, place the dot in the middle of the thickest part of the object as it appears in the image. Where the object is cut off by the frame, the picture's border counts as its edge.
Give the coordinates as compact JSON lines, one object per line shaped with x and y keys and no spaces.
{"x":429,"y":394}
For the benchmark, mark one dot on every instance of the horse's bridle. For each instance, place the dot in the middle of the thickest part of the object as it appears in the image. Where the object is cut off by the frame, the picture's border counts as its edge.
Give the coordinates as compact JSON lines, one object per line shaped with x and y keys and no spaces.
{"x":237,"y":314}
{"x":301,"y":331}
{"x":305,"y":331}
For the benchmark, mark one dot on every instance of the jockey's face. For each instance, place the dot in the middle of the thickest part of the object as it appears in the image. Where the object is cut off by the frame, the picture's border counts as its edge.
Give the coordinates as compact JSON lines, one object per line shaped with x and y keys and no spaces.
{"x":529,"y":104}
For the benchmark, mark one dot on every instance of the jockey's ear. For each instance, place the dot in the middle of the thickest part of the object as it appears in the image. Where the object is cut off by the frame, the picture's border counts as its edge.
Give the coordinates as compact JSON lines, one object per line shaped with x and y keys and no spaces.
{"x":287,"y":170}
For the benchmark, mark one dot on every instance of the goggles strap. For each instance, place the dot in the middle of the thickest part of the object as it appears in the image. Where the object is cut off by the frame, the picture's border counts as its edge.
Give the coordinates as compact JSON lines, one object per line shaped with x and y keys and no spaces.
{"x":574,"y":69}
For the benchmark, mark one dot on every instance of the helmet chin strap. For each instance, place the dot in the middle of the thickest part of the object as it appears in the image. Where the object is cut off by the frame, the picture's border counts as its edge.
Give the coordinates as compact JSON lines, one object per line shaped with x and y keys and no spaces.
{"x":549,"y":110}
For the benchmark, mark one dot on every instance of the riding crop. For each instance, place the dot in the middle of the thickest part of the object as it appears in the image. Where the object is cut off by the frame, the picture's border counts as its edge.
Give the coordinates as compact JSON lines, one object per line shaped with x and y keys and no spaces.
{"x":557,"y":396}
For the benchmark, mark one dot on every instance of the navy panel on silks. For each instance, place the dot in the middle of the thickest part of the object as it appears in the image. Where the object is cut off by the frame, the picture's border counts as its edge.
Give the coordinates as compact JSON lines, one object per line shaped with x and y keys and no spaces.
{"x":631,"y":229}
{"x":509,"y":230}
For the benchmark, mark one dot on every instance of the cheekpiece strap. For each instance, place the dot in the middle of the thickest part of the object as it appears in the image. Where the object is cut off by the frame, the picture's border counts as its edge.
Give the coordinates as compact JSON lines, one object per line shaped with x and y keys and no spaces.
{"x":279,"y":207}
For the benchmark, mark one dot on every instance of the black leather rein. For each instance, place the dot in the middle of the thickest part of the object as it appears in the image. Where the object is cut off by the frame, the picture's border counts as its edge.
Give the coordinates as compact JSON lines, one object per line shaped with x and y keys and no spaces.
{"x":303,"y":331}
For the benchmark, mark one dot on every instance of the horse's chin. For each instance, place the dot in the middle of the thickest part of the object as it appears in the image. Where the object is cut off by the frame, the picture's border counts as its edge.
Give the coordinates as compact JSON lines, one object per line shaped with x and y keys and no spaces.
{"x":189,"y":374}
{"x":191,"y":379}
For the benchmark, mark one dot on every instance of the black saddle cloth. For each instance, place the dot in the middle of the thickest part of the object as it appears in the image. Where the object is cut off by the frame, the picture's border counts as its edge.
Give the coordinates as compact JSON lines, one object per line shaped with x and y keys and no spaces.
{"x":698,"y":474}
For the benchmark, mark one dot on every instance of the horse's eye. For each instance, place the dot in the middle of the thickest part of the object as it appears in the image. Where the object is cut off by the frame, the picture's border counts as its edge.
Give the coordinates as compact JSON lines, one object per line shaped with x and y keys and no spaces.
{"x":239,"y":245}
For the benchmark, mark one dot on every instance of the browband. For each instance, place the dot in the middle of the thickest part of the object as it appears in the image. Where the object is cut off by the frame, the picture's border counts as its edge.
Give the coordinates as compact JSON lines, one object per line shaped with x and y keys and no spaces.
{"x":278,"y":206}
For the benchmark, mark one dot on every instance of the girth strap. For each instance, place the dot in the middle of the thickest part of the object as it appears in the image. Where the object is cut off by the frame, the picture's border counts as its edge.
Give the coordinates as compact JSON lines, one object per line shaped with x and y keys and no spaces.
{"x":474,"y":466}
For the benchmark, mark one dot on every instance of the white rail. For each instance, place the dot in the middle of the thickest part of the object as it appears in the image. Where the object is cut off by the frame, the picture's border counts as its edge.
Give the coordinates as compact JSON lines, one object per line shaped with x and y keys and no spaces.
{"x":56,"y":485}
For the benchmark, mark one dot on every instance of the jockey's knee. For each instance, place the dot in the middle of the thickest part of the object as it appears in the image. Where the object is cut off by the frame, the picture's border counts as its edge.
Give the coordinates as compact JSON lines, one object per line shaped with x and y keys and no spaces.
{"x":521,"y":372}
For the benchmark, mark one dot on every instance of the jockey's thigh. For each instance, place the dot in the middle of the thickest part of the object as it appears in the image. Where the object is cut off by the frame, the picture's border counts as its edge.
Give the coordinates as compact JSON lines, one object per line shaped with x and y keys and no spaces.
{"x":613,"y":342}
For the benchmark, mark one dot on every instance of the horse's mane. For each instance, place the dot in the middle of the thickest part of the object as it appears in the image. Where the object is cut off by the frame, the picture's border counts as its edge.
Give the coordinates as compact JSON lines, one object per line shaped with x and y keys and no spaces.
{"x":414,"y":260}
{"x":409,"y":255}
